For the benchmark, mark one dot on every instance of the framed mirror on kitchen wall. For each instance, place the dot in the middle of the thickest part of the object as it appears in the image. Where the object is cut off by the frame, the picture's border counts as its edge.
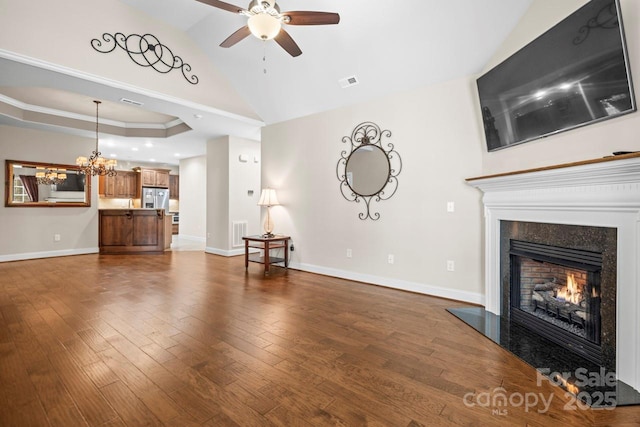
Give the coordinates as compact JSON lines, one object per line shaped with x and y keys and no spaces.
{"x":36,"y":184}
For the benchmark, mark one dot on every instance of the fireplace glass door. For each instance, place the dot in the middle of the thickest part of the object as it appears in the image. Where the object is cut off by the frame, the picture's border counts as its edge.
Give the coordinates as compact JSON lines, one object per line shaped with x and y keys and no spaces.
{"x":555,"y":292}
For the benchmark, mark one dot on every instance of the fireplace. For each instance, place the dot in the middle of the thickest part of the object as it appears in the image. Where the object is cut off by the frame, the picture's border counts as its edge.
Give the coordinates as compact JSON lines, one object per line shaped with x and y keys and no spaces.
{"x":559,"y":281}
{"x":555,"y":292}
{"x":601,"y":198}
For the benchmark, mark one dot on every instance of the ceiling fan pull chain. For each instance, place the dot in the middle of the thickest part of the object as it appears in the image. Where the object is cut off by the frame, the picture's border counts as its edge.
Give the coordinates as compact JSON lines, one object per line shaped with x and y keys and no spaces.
{"x":264,"y":56}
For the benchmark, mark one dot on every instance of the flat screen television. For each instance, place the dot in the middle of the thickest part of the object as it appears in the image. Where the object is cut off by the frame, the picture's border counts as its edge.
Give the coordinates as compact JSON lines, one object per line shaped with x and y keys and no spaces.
{"x":575,"y":74}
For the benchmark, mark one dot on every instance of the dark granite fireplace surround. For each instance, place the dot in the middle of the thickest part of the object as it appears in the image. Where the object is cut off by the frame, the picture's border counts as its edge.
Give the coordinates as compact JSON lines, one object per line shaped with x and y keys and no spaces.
{"x":586,"y":238}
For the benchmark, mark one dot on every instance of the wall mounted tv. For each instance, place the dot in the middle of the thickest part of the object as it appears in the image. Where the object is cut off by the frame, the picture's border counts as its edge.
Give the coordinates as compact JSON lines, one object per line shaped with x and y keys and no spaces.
{"x":575,"y":74}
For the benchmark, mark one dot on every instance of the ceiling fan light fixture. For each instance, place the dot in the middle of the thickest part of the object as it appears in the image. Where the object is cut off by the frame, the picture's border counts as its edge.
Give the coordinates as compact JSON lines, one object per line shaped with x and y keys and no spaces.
{"x":264,"y":26}
{"x":259,"y":6}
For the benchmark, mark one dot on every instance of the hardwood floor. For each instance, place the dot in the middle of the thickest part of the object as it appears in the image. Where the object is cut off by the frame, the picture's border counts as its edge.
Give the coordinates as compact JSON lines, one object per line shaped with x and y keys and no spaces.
{"x":190,"y":339}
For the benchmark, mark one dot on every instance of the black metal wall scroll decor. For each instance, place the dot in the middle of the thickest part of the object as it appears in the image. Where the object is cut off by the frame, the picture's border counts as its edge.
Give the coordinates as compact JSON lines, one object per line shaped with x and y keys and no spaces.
{"x":606,"y":19}
{"x":146,"y":51}
{"x":369,"y":169}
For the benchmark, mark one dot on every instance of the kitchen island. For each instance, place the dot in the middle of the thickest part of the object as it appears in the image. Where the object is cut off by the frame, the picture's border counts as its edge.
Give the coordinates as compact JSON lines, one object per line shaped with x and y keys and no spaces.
{"x":133,"y":231}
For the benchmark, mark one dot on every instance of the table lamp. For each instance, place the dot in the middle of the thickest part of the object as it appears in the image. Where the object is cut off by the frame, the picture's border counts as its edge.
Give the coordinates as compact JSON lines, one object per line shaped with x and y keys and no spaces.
{"x":268,"y":198}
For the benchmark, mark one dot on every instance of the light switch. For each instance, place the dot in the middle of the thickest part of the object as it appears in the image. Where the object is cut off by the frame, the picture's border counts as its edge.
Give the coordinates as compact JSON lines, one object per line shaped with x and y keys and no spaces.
{"x":451,"y":207}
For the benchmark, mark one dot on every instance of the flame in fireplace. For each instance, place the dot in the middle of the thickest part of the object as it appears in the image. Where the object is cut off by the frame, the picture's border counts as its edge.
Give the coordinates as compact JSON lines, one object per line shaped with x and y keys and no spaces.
{"x":571,"y":293}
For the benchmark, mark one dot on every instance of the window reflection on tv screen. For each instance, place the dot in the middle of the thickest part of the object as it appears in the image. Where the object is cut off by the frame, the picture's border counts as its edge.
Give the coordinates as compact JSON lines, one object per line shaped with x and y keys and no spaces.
{"x":573,"y":75}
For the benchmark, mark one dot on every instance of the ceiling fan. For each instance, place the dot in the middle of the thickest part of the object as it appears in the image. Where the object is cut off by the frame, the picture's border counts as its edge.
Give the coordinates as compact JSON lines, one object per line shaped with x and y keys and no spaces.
{"x":265,"y":22}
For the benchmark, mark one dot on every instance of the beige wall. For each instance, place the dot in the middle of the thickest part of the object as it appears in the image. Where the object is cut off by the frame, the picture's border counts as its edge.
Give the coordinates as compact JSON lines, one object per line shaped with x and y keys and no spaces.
{"x":438,"y":132}
{"x":244,"y":177}
{"x":228,"y":183}
{"x":589,"y":142}
{"x":218,"y":194}
{"x":28,"y":232}
{"x":193,"y":201}
{"x":66,"y":28}
{"x":435,"y":131}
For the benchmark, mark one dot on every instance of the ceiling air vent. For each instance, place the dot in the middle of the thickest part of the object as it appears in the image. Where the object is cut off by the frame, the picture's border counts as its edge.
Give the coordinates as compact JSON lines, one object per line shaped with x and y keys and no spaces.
{"x":348,"y":81}
{"x":131,"y":102}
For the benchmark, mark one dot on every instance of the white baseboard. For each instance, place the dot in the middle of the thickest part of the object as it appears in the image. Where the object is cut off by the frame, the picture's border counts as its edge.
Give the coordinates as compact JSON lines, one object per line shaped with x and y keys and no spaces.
{"x":193,"y":238}
{"x":49,"y":254}
{"x":222,"y":252}
{"x":421,"y":288}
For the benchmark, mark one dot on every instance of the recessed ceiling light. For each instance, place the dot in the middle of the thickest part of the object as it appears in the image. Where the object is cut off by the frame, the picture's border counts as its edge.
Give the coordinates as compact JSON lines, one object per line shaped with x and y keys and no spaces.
{"x":177,"y":154}
{"x":152,"y":160}
{"x":134,"y":149}
{"x":114,"y":155}
{"x":197,"y":116}
{"x":148,"y":144}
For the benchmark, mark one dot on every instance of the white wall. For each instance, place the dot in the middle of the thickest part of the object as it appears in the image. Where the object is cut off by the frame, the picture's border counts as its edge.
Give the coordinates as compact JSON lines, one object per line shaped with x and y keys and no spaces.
{"x":228,"y":182}
{"x":193,"y":202}
{"x":589,"y":142}
{"x":28,"y":232}
{"x":435,"y":131}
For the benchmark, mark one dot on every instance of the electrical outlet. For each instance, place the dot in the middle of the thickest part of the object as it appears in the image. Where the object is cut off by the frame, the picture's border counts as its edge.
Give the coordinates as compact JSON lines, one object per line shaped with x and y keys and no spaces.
{"x":390,"y":259}
{"x":451,"y":266}
{"x":349,"y":253}
{"x":56,"y":237}
{"x":451,"y":207}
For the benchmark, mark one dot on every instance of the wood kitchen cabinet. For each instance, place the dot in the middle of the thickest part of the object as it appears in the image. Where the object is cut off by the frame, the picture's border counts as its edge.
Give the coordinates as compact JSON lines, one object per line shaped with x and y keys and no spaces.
{"x":154,"y":177}
{"x":121,"y":186}
{"x":174,"y":187}
{"x":123,"y":231}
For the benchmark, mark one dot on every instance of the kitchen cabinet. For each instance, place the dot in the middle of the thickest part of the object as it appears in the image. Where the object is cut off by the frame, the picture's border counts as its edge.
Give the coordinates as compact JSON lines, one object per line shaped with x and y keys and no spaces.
{"x":121,"y":186}
{"x":124,"y":231}
{"x":174,"y":187}
{"x":154,"y":177}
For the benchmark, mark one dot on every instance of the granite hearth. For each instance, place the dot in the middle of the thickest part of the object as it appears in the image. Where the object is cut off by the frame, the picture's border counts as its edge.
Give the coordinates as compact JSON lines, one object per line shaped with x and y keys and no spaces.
{"x":549,"y":358}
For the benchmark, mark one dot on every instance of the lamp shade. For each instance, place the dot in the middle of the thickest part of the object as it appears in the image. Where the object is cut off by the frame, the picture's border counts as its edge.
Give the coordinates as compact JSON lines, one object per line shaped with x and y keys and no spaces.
{"x":268,"y":197}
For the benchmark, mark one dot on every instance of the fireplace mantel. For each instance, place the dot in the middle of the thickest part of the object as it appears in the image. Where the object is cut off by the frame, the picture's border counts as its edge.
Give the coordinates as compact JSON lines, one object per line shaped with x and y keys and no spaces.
{"x":601,"y":193}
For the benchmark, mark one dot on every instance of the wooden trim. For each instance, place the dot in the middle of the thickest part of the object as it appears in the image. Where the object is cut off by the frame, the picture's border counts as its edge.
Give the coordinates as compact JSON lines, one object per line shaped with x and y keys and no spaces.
{"x":560,"y":166}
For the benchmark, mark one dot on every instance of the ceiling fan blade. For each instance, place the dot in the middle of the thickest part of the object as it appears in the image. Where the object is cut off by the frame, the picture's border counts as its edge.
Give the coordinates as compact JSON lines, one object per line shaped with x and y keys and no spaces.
{"x":223,"y":5}
{"x":284,"y":39}
{"x":312,"y":18}
{"x":236,"y":37}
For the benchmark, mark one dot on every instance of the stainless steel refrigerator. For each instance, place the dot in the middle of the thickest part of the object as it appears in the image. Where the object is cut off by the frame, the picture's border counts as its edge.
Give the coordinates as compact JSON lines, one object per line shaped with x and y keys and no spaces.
{"x":155,"y":198}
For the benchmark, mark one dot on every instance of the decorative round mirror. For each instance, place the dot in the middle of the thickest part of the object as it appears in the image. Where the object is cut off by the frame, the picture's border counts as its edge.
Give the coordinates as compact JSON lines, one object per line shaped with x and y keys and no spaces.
{"x":369,"y":169}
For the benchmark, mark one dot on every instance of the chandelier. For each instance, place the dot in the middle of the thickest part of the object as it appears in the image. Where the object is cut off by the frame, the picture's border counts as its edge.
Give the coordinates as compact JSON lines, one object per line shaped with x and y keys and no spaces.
{"x":48,"y":176}
{"x":96,"y":164}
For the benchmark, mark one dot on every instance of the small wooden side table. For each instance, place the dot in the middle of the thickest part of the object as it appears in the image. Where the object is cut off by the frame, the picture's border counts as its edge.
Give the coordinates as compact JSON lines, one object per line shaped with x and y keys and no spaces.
{"x":266,"y":244}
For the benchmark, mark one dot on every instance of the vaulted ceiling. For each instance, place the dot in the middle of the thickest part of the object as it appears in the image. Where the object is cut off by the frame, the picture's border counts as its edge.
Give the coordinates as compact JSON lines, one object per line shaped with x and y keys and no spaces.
{"x":388,"y":46}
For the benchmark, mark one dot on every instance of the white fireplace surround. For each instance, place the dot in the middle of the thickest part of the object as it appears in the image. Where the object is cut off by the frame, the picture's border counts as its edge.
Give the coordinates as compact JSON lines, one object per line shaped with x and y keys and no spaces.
{"x":602,"y":193}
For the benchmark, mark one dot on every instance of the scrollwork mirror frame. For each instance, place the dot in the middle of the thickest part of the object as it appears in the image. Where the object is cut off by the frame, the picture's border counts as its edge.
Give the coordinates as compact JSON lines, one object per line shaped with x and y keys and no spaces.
{"x":63,"y":200}
{"x":369,"y":134}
